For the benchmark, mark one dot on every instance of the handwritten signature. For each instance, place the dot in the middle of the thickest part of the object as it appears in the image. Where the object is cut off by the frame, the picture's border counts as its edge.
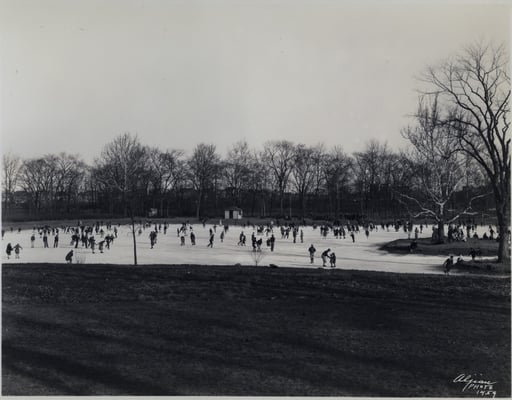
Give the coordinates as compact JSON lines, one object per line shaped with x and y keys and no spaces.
{"x":481,"y":387}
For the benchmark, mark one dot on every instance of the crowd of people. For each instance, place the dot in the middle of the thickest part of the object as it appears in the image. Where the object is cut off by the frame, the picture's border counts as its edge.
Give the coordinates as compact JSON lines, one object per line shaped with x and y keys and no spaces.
{"x":100,"y":236}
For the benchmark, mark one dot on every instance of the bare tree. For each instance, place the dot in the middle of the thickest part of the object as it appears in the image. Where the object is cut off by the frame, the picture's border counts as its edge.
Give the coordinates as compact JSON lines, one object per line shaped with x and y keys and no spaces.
{"x":70,"y":174}
{"x":237,"y":170}
{"x":11,"y":165}
{"x":368,"y":173}
{"x":38,"y":178}
{"x":203,"y":168}
{"x":166,"y":172}
{"x":439,"y":167}
{"x":337,"y":169}
{"x":123,"y":166}
{"x":477,"y":85}
{"x":259,"y":183}
{"x":303,"y":173}
{"x":278,"y":157}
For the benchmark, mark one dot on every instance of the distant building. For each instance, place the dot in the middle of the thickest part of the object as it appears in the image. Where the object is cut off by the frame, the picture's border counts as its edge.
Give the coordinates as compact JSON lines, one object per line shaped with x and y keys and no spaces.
{"x":233,"y":213}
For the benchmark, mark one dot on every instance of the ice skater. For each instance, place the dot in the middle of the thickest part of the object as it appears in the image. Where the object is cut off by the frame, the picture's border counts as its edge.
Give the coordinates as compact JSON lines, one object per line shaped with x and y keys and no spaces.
{"x":8,"y":250}
{"x":325,"y":254}
{"x":92,"y":242}
{"x":312,"y":251}
{"x":210,"y":243}
{"x":17,"y":249}
{"x":332,"y":259}
{"x":152,"y":238}
{"x":69,"y":257}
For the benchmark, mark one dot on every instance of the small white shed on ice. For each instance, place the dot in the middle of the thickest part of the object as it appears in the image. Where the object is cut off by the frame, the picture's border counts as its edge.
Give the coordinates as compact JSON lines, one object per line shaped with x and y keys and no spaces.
{"x":233,"y":213}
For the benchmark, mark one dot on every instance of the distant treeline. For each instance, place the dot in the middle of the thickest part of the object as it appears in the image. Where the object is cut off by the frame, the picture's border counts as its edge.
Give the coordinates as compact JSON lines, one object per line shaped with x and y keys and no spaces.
{"x":281,"y":180}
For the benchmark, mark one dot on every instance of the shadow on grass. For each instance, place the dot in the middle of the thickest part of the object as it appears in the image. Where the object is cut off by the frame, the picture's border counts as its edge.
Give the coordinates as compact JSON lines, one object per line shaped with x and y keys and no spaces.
{"x":271,"y":338}
{"x":43,"y":367}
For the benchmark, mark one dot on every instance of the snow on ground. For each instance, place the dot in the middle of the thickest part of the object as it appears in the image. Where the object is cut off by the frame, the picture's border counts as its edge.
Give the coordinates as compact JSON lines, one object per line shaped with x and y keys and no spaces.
{"x":364,"y":254}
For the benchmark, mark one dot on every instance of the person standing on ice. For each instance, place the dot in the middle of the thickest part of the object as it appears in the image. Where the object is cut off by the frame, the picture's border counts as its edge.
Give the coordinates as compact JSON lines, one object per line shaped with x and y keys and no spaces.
{"x":192,"y":238}
{"x":8,"y":250}
{"x":352,"y":236}
{"x":301,"y":236}
{"x":17,"y":249}
{"x":222,"y":236}
{"x":332,"y":259}
{"x":32,"y":240}
{"x":45,"y":240}
{"x":325,"y":254}
{"x":152,"y":238}
{"x":56,"y":241}
{"x":92,"y":242}
{"x":210,"y":243}
{"x":312,"y":251}
{"x":272,"y":242}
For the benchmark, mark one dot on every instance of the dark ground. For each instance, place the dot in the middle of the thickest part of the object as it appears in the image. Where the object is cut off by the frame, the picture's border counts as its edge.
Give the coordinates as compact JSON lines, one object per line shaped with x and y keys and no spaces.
{"x":197,"y":330}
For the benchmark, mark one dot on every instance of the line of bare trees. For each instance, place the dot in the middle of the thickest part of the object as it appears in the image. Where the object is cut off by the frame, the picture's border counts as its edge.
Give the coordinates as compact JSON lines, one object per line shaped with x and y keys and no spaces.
{"x":282,"y":179}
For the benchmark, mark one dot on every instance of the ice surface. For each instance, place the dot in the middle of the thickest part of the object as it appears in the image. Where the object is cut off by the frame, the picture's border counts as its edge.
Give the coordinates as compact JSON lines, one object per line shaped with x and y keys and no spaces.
{"x":364,"y":254}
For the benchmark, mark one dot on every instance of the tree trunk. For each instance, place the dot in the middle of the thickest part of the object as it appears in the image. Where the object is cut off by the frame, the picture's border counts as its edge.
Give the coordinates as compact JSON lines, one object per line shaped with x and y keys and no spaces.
{"x":303,"y":203}
{"x":503,"y":216}
{"x":337,"y":214}
{"x":440,"y":232}
{"x":198,"y":205}
{"x":133,"y":236}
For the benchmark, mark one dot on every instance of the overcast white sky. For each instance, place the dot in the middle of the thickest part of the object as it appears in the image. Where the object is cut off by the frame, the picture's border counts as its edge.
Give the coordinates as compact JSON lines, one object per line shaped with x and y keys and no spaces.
{"x":76,"y":73}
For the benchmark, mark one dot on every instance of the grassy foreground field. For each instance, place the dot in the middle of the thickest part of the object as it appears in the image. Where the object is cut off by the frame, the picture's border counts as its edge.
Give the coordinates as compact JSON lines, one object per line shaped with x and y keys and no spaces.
{"x":200,"y":330}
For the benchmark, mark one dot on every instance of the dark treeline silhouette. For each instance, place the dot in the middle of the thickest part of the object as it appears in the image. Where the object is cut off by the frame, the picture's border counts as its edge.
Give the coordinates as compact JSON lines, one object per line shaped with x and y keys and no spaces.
{"x":282,"y":180}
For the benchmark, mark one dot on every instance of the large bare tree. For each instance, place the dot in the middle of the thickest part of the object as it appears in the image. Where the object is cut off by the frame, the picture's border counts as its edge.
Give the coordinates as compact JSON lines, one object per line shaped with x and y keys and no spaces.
{"x":476,"y":84}
{"x":337,"y":169}
{"x":237,"y":170}
{"x":439,"y":167}
{"x":123,"y":166}
{"x":167,"y":171}
{"x":203,"y":167}
{"x":278,"y":157}
{"x":369,"y":174}
{"x":303,"y":173}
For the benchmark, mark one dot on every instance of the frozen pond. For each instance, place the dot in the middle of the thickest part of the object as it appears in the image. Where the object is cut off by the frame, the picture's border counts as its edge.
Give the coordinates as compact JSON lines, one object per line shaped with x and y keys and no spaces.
{"x":363,"y":254}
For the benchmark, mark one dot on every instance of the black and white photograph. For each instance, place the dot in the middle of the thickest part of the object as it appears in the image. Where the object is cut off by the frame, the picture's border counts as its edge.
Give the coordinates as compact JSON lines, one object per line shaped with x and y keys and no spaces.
{"x":255,"y":198}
